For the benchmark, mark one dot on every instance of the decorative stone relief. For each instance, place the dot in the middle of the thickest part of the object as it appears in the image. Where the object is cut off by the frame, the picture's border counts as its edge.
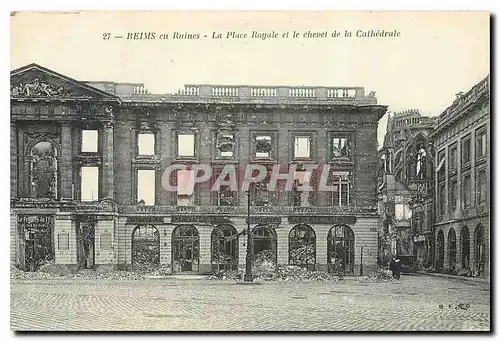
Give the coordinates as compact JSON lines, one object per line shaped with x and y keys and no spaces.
{"x":37,"y":88}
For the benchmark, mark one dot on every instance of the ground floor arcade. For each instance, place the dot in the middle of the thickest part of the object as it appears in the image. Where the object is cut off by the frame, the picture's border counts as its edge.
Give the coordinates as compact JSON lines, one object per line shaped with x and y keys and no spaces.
{"x":192,"y":244}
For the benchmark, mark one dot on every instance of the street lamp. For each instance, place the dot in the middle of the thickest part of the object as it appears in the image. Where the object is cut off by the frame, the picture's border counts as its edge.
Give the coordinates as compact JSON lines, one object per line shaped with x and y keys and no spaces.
{"x":248,"y":269}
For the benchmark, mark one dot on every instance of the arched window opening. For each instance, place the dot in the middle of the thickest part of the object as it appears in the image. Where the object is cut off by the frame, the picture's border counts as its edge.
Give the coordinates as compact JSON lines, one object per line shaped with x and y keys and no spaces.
{"x":479,"y":244}
{"x":224,"y":248}
{"x":302,"y":247}
{"x":264,"y":249}
{"x":340,"y":250}
{"x":145,"y":248}
{"x":465,"y":247}
{"x":185,"y":249}
{"x":440,"y":251}
{"x":452,"y":249}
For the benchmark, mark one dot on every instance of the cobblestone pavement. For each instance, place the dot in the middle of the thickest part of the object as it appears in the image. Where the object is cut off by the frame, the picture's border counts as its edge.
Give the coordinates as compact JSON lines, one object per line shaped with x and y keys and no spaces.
{"x":413,"y":303}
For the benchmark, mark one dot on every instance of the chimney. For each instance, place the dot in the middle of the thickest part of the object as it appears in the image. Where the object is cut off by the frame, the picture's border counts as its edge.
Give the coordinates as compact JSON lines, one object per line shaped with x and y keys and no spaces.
{"x":460,"y":94}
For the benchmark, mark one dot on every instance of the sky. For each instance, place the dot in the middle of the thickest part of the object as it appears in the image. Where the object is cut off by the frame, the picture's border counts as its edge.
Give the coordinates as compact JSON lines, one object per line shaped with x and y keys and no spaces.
{"x":436,"y":55}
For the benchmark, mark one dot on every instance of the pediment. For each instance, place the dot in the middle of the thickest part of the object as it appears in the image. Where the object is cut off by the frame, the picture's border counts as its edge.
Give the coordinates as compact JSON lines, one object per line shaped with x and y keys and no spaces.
{"x":36,"y":82}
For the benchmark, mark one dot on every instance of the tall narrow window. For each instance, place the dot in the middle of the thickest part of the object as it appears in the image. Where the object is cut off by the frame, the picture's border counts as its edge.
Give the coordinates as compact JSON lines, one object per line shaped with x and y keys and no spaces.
{"x":146,"y":144}
{"x":89,"y":183}
{"x":453,"y":158}
{"x":146,"y":186}
{"x":299,"y":195}
{"x":481,"y":187}
{"x":453,"y":195}
{"x":466,"y":191}
{"x":185,"y":188}
{"x":90,"y":141}
{"x":340,"y":183}
{"x":302,"y":147}
{"x":466,"y":148}
{"x":481,"y":144}
{"x":185,"y":145}
{"x":442,"y":199}
{"x":441,"y":165}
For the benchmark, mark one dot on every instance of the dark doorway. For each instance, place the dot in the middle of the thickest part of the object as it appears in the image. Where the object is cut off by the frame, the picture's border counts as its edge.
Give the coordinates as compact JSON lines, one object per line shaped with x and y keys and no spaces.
{"x":465,"y":247}
{"x":224,"y":248}
{"x":264,"y":248}
{"x":145,"y":247}
{"x":185,"y":249}
{"x":86,"y":245}
{"x":452,"y":249}
{"x":479,"y":257}
{"x":302,"y":247}
{"x":340,"y":250}
{"x":36,"y":233}
{"x":440,"y":251}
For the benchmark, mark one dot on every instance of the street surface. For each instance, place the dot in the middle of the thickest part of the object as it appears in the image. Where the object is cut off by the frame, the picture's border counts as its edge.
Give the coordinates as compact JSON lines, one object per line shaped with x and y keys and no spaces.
{"x":413,"y":303}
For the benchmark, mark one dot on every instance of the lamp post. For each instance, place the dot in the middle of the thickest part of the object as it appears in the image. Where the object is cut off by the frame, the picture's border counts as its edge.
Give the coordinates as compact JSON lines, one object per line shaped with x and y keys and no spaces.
{"x":248,"y":269}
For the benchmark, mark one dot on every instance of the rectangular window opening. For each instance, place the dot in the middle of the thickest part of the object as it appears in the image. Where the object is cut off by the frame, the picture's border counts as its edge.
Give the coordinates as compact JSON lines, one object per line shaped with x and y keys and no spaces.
{"x":185,"y":145}
{"x":146,"y":144}
{"x":90,"y":141}
{"x":146,"y":186}
{"x":90,"y":183}
{"x":302,"y":147}
{"x":185,"y":187}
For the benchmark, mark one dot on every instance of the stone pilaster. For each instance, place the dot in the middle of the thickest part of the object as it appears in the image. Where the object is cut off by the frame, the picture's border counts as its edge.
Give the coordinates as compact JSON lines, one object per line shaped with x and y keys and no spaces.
{"x":66,"y":162}
{"x":107,"y":171}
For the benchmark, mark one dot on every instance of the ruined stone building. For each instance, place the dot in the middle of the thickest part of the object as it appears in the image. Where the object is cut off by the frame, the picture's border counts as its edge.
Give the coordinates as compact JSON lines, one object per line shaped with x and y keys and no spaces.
{"x":462,"y":182}
{"x":405,"y":177}
{"x":434,"y":187}
{"x":88,"y":184}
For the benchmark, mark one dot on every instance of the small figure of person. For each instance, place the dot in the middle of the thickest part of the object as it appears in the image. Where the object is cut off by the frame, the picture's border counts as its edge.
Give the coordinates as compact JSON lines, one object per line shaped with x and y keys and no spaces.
{"x":395,"y":267}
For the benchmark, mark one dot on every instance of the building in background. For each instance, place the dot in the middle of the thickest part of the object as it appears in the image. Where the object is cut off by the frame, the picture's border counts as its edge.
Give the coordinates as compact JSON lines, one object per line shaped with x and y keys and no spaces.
{"x":462,"y":173}
{"x":88,"y":163}
{"x":405,"y":178}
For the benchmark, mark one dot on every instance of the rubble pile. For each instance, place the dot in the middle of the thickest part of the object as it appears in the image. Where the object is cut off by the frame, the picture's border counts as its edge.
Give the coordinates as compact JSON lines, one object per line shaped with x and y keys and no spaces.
{"x":283,"y":273}
{"x":55,"y":269}
{"x":379,"y":275}
{"x":106,"y":274}
{"x":164,"y":270}
{"x":265,"y":262}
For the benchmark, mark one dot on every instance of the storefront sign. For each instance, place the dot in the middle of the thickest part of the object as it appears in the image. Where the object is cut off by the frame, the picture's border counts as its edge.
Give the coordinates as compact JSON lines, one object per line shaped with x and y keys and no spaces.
{"x":144,"y":220}
{"x":318,"y":219}
{"x":38,"y":222}
{"x":215,"y":220}
{"x":264,"y":220}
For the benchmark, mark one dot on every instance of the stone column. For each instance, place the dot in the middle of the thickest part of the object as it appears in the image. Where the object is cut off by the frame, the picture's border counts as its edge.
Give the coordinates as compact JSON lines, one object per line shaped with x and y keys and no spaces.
{"x":107,"y":170}
{"x":66,"y":162}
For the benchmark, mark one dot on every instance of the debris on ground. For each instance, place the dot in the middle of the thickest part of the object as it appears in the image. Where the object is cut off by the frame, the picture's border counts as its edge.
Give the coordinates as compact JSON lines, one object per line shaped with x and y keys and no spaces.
{"x":164,"y":270}
{"x":265,"y":262}
{"x":289,"y":273}
{"x":379,"y":275}
{"x":55,"y":269}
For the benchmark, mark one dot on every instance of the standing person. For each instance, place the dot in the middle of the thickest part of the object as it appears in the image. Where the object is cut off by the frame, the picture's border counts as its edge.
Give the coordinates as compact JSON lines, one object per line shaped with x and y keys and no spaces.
{"x":395,"y":267}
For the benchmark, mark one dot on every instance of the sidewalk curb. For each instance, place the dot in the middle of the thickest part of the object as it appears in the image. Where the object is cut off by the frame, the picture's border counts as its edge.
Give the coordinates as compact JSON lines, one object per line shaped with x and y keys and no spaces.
{"x":463,"y":278}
